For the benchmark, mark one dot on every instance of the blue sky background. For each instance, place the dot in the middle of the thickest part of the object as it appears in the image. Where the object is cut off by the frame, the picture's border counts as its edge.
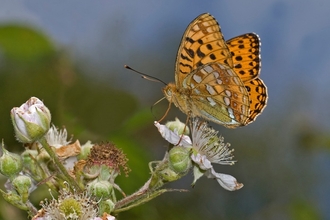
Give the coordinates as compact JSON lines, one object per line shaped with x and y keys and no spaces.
{"x":104,"y":35}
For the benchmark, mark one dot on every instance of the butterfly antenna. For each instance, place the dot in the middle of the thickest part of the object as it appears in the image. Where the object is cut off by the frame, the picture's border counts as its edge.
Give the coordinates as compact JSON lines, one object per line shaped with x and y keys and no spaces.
{"x":145,"y":76}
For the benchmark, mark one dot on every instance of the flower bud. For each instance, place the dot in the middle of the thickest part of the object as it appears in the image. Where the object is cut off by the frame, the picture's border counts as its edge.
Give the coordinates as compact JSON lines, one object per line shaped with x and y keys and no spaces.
{"x":101,"y":189}
{"x":30,"y":162}
{"x":106,"y":206}
{"x":14,"y":199}
{"x":85,"y":150}
{"x":179,"y":159}
{"x":10,"y":163}
{"x":178,"y":126}
{"x":31,"y":120}
{"x":22,"y":185}
{"x":168,"y":175}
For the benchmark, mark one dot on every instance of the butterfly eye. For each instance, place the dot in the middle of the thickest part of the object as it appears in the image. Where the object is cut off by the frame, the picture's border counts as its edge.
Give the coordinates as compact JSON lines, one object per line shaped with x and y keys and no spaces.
{"x":168,"y":91}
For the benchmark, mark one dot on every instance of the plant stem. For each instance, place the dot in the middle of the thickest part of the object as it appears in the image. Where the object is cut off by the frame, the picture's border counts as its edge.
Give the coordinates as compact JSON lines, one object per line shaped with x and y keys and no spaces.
{"x":135,"y":196}
{"x":31,"y":209}
{"x":59,"y":166}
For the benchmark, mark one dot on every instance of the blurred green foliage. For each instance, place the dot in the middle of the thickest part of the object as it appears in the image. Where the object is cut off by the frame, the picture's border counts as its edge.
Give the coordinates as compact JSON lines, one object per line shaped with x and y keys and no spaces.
{"x":23,"y":44}
{"x":88,"y":108}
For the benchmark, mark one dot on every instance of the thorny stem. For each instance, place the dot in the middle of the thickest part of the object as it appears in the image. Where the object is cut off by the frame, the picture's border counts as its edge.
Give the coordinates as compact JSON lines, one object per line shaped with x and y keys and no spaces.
{"x":58,"y":164}
{"x":150,"y":185}
{"x":143,"y":195}
{"x":135,"y":196}
{"x":147,"y":197}
{"x":150,"y":190}
{"x":32,"y":210}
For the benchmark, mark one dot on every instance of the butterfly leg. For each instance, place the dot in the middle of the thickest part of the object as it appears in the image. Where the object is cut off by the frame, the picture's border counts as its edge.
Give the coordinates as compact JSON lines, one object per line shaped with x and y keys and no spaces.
{"x":168,"y":109}
{"x":184,"y":128}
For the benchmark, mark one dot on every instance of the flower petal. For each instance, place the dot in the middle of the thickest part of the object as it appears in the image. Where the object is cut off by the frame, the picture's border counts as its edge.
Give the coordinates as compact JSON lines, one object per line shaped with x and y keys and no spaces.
{"x":228,"y":182}
{"x":173,"y":137}
{"x":202,"y":161}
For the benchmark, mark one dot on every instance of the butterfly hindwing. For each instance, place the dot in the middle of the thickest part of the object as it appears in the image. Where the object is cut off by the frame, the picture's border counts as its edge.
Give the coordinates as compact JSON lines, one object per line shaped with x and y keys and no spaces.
{"x":245,"y":51}
{"x":218,"y":94}
{"x":258,"y":98}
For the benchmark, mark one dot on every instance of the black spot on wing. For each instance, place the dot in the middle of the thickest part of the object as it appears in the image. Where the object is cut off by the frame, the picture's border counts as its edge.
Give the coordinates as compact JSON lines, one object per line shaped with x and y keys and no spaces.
{"x":200,"y":54}
{"x":190,"y":52}
{"x":190,"y":40}
{"x":238,"y":58}
{"x":185,"y":58}
{"x":212,"y":56}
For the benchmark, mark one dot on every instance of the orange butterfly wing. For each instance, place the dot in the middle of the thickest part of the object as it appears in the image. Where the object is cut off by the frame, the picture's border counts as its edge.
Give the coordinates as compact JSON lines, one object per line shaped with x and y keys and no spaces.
{"x":215,"y":79}
{"x":245,"y":51}
{"x":202,"y":43}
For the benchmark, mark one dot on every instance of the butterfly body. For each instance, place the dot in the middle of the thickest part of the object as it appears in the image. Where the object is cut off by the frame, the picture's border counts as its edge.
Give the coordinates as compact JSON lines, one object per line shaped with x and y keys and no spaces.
{"x":218,"y":80}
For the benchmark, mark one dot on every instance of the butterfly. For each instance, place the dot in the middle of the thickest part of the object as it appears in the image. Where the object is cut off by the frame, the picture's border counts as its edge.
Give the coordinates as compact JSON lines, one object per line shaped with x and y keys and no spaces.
{"x":218,"y":80}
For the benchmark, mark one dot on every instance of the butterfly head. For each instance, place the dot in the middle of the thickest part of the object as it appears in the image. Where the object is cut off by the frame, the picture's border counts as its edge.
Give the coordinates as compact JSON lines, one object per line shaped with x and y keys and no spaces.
{"x":168,"y":91}
{"x":178,"y":96}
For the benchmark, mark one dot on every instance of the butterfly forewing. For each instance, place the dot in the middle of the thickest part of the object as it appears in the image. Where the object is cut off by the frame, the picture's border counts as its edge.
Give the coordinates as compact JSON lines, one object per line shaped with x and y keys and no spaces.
{"x":201,"y":43}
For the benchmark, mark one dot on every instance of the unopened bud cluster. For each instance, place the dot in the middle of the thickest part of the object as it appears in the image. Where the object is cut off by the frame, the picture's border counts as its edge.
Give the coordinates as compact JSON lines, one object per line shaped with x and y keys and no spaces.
{"x":84,"y":175}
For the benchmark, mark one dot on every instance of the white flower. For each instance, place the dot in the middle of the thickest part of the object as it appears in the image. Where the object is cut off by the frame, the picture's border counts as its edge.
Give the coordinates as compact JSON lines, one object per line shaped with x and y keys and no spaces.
{"x":69,"y":205}
{"x":178,"y":126}
{"x":64,"y":150}
{"x":57,"y":138}
{"x":172,"y":136}
{"x":31,"y":120}
{"x":207,"y":148}
{"x":105,"y":216}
